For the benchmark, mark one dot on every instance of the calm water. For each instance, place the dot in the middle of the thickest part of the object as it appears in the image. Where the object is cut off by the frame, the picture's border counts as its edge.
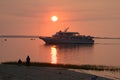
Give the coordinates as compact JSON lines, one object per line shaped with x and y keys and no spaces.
{"x":103,"y":52}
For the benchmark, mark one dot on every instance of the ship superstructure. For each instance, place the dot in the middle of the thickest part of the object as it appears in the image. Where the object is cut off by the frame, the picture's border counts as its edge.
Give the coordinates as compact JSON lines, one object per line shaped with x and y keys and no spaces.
{"x":65,"y":37}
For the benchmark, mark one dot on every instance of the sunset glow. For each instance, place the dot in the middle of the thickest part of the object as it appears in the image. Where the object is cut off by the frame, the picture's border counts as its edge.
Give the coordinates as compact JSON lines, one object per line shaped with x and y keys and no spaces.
{"x":54,"y":18}
{"x":53,"y":55}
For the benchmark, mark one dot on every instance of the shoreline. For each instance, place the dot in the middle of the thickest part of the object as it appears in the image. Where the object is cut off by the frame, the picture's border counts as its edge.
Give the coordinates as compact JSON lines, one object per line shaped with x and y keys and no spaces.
{"x":106,"y":74}
{"x":21,"y":72}
{"x":70,"y":66}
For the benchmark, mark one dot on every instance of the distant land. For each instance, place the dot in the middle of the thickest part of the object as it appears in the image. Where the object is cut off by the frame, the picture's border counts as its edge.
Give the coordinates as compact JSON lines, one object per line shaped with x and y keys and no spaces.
{"x":18,"y":36}
{"x":32,"y":36}
{"x":105,"y":38}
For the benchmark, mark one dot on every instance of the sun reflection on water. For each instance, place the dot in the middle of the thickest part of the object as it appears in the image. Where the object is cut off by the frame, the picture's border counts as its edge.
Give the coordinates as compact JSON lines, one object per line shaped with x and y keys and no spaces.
{"x":53,"y":55}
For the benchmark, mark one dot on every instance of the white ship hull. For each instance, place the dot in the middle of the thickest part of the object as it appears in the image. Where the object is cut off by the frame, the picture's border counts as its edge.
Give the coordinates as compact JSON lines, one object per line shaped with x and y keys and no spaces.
{"x":50,"y":40}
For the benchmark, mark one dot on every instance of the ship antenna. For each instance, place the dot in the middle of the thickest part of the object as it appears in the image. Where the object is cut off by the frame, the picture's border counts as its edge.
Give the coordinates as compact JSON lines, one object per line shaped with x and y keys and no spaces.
{"x":66,"y":29}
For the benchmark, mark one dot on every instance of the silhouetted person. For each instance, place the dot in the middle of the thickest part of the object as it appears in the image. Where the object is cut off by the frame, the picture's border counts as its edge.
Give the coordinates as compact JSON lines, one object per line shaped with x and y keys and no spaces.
{"x":28,"y":60}
{"x":19,"y":61}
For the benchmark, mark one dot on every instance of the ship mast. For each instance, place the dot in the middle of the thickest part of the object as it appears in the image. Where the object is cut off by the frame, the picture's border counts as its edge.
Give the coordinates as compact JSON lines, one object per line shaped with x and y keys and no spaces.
{"x":66,"y":29}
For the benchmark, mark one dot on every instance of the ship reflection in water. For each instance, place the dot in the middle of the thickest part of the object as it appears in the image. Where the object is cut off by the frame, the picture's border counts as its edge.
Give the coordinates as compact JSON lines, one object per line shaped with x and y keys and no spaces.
{"x":53,"y":55}
{"x":70,"y":53}
{"x":73,"y":46}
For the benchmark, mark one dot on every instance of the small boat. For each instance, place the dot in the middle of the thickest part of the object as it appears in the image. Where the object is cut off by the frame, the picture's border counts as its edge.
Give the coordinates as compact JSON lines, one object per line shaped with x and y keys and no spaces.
{"x":65,"y":37}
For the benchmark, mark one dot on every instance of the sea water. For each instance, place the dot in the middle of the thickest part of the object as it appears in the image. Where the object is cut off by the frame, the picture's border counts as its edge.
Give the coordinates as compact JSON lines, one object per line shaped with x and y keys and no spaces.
{"x":103,"y":52}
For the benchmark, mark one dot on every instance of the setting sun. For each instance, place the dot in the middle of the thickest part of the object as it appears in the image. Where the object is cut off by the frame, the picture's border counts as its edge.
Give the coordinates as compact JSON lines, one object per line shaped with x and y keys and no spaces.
{"x":54,"y":18}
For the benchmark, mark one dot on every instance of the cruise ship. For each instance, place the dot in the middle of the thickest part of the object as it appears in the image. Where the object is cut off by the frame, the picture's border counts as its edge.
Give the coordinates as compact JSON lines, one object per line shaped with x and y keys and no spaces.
{"x":65,"y":37}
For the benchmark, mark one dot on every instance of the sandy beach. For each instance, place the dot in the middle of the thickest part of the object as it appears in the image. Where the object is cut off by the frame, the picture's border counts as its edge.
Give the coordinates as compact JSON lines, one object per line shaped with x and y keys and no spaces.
{"x":15,"y":72}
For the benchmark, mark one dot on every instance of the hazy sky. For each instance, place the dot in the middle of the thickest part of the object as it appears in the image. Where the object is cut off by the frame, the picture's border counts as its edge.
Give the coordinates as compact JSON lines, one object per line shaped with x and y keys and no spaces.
{"x":33,"y":17}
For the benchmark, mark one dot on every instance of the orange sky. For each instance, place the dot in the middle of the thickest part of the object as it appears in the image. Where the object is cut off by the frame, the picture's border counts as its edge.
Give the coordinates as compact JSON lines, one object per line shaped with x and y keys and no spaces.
{"x":90,"y":17}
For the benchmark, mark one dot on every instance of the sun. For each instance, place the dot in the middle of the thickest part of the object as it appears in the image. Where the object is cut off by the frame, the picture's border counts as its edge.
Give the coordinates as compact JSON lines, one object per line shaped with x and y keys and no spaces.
{"x":54,"y":18}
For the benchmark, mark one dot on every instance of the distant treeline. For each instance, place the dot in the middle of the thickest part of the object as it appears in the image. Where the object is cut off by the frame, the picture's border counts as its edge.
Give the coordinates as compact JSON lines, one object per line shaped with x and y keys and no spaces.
{"x":105,"y":38}
{"x":32,"y":36}
{"x":18,"y":36}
